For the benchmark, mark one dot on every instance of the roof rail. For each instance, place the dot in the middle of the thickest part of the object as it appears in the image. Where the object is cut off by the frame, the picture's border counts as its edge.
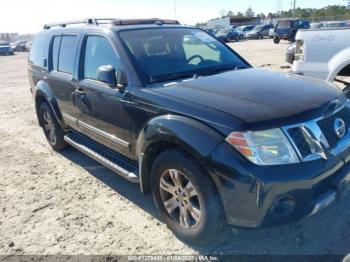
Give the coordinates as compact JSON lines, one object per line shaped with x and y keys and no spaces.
{"x":114,"y":21}
{"x":145,"y":21}
{"x":89,"y":21}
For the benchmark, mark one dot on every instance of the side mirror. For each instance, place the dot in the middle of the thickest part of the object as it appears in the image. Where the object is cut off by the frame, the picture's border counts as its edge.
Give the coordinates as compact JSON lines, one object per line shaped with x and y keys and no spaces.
{"x":122,"y":81}
{"x":106,"y":74}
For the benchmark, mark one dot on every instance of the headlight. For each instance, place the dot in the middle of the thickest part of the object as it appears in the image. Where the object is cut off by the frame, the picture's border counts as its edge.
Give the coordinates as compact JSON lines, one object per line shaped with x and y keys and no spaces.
{"x":270,"y":147}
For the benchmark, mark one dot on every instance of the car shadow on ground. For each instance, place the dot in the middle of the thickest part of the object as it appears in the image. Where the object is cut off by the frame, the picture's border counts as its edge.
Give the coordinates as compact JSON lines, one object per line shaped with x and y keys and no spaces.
{"x":317,"y":235}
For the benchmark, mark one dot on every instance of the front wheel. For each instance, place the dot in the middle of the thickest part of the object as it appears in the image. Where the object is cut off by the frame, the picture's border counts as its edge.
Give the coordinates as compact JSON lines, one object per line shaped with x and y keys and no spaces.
{"x":276,"y":40}
{"x":52,"y":130}
{"x":186,"y":197}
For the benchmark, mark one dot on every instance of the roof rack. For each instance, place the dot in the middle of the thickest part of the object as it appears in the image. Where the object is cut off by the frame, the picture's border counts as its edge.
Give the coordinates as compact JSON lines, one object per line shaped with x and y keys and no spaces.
{"x":145,"y":21}
{"x":88,"y":21}
{"x":113,"y":21}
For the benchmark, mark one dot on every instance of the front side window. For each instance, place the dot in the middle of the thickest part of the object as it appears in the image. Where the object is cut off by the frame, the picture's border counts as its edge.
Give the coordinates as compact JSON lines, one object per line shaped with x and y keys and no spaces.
{"x":174,"y":53}
{"x":98,"y":52}
{"x":66,"y":58}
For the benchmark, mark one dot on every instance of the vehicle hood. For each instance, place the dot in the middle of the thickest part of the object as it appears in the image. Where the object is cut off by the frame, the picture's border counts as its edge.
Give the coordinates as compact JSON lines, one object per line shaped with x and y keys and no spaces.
{"x":260,"y":98}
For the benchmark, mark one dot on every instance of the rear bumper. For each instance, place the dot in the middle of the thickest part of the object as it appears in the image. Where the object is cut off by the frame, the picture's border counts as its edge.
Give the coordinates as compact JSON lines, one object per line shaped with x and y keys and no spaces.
{"x":316,"y":70}
{"x":255,"y":196}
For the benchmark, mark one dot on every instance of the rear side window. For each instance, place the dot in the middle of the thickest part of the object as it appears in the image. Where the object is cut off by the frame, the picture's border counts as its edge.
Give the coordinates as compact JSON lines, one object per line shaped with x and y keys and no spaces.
{"x":37,"y":52}
{"x":66,"y":57}
{"x":55,"y":51}
{"x":98,"y":52}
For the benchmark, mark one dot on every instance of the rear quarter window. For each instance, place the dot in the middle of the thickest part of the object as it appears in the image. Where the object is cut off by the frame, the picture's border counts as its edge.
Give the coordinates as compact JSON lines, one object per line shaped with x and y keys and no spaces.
{"x":38,"y":51}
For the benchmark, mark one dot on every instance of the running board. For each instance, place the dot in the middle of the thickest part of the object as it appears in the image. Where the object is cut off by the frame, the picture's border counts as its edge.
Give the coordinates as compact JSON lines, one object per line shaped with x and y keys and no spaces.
{"x":104,"y":156}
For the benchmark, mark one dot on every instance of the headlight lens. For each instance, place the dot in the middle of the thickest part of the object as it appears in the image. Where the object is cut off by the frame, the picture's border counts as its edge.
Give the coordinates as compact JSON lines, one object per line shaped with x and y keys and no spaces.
{"x":269,"y":147}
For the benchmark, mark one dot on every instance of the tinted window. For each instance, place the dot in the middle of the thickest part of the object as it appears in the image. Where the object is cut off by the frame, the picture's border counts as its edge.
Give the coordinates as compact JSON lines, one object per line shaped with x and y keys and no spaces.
{"x":55,"y":51}
{"x":37,"y":52}
{"x":98,"y":52}
{"x":67,"y":54}
{"x":284,"y":24}
{"x":168,"y":54}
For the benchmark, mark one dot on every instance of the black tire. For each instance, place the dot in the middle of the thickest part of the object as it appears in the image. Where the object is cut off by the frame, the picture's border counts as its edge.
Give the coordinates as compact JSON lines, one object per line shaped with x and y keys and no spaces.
{"x":276,"y":40}
{"x":212,"y":218}
{"x":55,"y":136}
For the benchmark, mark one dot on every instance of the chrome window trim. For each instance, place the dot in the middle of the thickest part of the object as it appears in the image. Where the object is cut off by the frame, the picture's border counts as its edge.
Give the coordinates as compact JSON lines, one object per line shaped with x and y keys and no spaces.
{"x":313,"y":132}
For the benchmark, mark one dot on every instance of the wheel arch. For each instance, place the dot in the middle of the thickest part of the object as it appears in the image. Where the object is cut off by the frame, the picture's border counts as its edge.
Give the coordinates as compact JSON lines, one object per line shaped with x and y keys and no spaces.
{"x":169,"y":131}
{"x":43,"y":93}
{"x":338,"y":63}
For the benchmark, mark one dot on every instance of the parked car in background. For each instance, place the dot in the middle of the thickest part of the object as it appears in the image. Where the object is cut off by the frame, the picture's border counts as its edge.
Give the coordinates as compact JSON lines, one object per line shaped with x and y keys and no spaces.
{"x":243,"y":30}
{"x":259,"y":31}
{"x":316,"y":25}
{"x":335,"y":24}
{"x":227,"y":35}
{"x":287,"y":29}
{"x":5,"y":48}
{"x":272,"y":32}
{"x":290,"y":55}
{"x":19,"y":46}
{"x":29,"y":46}
{"x":324,"y":54}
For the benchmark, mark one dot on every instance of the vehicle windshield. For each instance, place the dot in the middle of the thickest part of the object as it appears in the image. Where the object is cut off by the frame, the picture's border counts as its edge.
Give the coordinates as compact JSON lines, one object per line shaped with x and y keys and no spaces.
{"x":284,"y":25}
{"x":223,"y":31}
{"x":167,"y":54}
{"x":258,"y":27}
{"x":4,"y":44}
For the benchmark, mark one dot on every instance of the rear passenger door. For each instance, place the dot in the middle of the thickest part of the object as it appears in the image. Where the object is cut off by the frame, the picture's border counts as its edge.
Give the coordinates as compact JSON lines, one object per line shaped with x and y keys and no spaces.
{"x":62,"y":64}
{"x":103,"y":110}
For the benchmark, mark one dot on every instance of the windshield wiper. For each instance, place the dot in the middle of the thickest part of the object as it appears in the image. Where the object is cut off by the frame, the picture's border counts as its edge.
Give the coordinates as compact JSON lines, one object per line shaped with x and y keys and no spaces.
{"x":196,"y":74}
{"x":174,"y":76}
{"x":220,"y":69}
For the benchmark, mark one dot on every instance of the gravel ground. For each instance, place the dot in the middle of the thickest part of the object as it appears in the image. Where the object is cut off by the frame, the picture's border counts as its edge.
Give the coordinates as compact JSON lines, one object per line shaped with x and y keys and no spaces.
{"x":66,"y":203}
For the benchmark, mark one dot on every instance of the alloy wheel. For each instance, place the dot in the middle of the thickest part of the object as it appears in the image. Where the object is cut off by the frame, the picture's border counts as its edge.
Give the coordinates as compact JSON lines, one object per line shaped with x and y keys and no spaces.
{"x":49,"y":127}
{"x":180,"y":198}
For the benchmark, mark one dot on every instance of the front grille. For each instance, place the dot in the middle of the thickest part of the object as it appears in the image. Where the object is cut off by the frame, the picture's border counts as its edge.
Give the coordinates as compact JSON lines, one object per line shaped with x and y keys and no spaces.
{"x":300,"y":141}
{"x":327,"y":126}
{"x":313,"y":138}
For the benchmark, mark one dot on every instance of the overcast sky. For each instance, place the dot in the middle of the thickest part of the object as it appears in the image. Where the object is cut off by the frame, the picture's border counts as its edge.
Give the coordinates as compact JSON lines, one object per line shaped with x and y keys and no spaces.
{"x":29,"y":16}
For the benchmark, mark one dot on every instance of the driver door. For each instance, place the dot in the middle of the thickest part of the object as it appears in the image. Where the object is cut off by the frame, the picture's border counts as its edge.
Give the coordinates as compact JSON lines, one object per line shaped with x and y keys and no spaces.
{"x":103,"y":110}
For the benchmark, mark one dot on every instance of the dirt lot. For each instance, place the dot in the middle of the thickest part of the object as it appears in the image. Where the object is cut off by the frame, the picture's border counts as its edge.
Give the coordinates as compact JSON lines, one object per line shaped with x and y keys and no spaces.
{"x":66,"y":203}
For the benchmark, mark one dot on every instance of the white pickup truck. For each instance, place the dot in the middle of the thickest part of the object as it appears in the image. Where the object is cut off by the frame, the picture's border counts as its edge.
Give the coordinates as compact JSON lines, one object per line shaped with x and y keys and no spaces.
{"x":324,"y":54}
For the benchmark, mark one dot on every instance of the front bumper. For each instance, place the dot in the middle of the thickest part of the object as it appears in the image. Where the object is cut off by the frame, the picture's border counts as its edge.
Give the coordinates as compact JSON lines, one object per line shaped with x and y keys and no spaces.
{"x":261,"y":196}
{"x":283,"y":36}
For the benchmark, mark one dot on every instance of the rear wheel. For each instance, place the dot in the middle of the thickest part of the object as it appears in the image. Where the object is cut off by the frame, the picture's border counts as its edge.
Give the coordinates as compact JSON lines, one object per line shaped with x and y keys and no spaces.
{"x":52,"y":130}
{"x":186,"y":197}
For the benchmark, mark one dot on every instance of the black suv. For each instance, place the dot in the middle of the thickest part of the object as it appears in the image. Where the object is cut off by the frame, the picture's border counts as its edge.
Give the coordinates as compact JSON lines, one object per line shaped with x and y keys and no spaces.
{"x":216,"y":141}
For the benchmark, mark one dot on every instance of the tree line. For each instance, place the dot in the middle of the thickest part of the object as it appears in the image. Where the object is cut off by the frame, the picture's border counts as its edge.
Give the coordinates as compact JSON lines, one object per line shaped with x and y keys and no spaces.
{"x":331,"y":12}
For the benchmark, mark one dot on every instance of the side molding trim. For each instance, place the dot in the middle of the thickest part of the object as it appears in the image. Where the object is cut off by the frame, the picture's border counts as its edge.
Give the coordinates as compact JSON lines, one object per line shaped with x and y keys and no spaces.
{"x":96,"y":130}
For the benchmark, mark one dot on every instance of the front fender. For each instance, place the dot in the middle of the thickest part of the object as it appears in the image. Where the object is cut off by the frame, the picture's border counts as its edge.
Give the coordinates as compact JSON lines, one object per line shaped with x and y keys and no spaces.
{"x":43,"y":90}
{"x":191,"y":135}
{"x":337,"y":63}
